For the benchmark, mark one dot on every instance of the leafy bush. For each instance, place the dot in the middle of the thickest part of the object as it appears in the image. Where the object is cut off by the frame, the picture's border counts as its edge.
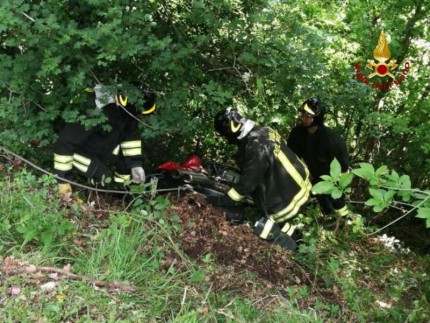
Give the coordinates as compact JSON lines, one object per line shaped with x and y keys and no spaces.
{"x":31,"y":211}
{"x":387,"y":189}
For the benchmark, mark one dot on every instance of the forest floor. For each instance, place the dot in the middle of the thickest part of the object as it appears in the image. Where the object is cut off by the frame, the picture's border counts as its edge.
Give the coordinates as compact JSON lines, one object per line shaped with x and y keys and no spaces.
{"x":180,"y":260}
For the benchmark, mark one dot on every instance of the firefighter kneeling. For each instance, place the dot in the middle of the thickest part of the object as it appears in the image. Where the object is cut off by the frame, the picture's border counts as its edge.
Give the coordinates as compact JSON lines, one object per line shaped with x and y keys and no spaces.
{"x":270,"y":173}
{"x":88,"y":150}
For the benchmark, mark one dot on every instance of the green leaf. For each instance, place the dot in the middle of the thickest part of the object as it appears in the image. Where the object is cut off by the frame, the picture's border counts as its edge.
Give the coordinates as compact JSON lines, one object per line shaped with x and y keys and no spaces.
{"x":323,"y":188}
{"x":337,"y":193}
{"x":326,"y":178}
{"x":362,"y":173}
{"x":381,"y":170}
{"x":21,"y":229}
{"x":372,"y":202}
{"x":197,"y":276}
{"x":345,"y":179}
{"x":377,"y":194}
{"x":405,"y":181}
{"x":175,"y":218}
{"x":394,"y":176}
{"x":423,"y":213}
{"x":378,"y":208}
{"x":388,"y":195}
{"x":335,"y":169}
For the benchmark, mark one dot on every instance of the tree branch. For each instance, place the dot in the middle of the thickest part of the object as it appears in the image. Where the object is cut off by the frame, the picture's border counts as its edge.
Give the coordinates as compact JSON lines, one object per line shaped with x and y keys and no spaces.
{"x":30,"y":269}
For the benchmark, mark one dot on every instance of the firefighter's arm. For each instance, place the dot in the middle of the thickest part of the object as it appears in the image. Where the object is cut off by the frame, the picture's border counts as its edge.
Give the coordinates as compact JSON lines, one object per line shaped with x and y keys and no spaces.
{"x":131,"y":147}
{"x":252,"y":172}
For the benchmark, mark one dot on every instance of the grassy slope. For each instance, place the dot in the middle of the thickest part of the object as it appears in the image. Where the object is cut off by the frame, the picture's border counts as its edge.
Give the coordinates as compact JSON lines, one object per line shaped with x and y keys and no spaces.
{"x":349,"y":277}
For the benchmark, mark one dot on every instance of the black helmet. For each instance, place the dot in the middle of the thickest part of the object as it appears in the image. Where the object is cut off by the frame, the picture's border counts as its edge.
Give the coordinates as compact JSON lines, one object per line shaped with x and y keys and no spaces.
{"x":228,"y":123}
{"x":313,"y":107}
{"x":148,"y":98}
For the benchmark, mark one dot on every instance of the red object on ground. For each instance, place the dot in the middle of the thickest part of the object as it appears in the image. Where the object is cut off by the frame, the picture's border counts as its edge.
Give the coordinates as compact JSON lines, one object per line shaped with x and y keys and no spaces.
{"x":170,"y":165}
{"x":193,"y":164}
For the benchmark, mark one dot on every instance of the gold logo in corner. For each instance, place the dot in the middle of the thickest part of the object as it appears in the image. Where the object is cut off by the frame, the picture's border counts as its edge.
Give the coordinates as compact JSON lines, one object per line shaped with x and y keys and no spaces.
{"x":381,"y":54}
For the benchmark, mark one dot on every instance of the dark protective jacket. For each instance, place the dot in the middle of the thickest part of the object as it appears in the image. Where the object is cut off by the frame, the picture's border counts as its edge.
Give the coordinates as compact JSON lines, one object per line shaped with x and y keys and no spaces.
{"x":318,"y":149}
{"x":271,"y":173}
{"x":82,"y":149}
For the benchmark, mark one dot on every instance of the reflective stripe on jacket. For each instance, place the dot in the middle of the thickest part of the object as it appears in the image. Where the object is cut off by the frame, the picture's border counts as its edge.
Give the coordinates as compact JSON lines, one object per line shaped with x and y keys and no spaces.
{"x":98,"y":142}
{"x":271,"y":173}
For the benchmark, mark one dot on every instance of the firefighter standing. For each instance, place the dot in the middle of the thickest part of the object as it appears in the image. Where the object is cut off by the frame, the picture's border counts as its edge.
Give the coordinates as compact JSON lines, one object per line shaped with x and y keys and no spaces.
{"x":270,"y":173}
{"x":318,"y":145}
{"x":89,"y":150}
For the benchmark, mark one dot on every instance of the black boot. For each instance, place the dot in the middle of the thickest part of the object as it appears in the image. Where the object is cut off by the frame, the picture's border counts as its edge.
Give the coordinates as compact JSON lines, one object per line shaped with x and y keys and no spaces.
{"x":275,"y":235}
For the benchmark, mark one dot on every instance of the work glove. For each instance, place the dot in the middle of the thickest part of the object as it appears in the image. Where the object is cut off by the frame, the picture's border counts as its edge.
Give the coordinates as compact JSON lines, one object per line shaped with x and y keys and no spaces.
{"x":64,"y":188}
{"x":137,"y":175}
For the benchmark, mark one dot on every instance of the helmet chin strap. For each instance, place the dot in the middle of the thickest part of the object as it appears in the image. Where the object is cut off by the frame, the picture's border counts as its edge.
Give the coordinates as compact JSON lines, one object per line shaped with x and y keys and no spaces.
{"x":246,"y":128}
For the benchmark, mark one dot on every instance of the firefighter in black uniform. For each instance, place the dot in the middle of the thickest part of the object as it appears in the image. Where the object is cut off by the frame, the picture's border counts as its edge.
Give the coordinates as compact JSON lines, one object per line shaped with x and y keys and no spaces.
{"x":277,"y":181}
{"x":88,"y":150}
{"x":318,"y":145}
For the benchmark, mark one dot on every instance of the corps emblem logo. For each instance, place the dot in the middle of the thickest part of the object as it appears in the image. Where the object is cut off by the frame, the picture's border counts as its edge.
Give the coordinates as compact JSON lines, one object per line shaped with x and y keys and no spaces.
{"x":382,"y":67}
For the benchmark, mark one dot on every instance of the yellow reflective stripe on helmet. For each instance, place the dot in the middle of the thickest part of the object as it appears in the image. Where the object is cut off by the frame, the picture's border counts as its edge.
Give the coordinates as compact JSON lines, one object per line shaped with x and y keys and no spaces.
{"x":132,"y":152}
{"x":131,"y":144}
{"x":150,"y":110}
{"x":63,"y":158}
{"x":81,"y":159}
{"x":81,"y":167}
{"x":308,"y":110}
{"x":122,"y":100}
{"x":116,"y":150}
{"x":233,"y":128}
{"x":267,"y":228}
{"x":63,"y":166}
{"x":294,"y":206}
{"x":234,"y":195}
{"x":343,"y":211}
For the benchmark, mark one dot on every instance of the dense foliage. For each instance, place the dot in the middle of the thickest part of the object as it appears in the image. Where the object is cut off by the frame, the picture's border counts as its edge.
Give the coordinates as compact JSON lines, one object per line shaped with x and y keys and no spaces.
{"x":264,"y":56}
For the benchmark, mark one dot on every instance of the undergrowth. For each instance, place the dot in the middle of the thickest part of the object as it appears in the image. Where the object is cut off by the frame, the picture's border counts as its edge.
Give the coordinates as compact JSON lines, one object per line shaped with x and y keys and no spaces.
{"x":139,"y":247}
